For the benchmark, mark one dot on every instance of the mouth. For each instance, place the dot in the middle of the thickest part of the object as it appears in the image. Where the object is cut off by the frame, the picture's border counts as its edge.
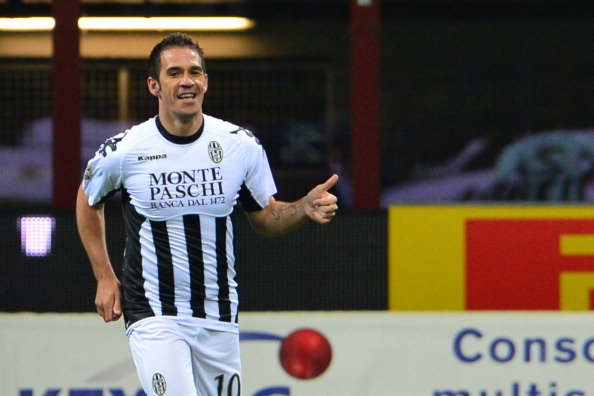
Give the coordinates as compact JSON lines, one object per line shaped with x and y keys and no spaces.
{"x":186,"y":96}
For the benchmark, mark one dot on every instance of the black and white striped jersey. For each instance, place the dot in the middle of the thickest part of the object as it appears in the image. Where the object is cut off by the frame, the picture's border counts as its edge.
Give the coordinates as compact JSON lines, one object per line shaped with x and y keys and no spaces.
{"x":178,"y":195}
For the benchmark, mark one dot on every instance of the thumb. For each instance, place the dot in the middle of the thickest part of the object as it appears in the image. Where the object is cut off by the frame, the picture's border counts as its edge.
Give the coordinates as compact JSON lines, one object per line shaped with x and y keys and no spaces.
{"x":329,"y":183}
{"x":117,"y":308}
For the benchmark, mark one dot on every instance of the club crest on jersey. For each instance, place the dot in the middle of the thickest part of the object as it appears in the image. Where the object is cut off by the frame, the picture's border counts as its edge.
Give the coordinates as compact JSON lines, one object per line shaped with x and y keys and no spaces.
{"x":215,"y":152}
{"x":159,"y":384}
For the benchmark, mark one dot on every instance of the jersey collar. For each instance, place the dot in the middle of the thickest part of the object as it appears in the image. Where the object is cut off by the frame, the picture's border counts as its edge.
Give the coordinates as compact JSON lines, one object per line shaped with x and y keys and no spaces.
{"x":179,"y":139}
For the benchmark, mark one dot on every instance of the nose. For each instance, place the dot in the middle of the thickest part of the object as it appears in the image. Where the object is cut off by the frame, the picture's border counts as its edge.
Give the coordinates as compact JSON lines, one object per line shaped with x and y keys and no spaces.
{"x":187,"y":80}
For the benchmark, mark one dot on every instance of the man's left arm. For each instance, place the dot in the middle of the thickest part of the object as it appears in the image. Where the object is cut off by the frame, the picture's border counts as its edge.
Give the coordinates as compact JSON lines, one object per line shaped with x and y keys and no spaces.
{"x":281,"y":217}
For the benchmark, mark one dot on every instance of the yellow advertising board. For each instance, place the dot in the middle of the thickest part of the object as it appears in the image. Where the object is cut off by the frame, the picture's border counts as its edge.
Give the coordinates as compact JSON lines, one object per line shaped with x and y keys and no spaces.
{"x":452,"y":258}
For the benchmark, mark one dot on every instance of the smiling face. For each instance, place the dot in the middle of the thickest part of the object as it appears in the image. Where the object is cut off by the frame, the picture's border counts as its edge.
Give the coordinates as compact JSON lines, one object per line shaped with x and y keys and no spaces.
{"x":181,"y":86}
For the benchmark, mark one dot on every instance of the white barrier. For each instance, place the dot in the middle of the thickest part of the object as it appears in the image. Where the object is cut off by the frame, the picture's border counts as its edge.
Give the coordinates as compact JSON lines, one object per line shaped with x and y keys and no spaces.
{"x":374,"y":353}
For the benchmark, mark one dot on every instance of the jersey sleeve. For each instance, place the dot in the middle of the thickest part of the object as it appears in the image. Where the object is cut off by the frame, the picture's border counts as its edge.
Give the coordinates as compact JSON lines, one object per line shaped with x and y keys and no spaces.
{"x":259,"y":183}
{"x":103,"y":175}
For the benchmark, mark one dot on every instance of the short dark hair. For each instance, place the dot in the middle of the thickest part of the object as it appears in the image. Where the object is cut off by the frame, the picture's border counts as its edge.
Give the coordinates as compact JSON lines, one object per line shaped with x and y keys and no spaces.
{"x":174,"y":40}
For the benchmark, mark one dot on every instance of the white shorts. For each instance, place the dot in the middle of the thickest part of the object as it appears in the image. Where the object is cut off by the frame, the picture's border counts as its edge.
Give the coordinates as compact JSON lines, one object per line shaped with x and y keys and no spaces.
{"x":173,"y":358}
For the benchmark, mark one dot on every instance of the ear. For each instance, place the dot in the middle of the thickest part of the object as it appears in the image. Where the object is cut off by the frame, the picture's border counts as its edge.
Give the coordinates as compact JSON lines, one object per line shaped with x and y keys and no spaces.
{"x":205,"y":82}
{"x":153,"y":86}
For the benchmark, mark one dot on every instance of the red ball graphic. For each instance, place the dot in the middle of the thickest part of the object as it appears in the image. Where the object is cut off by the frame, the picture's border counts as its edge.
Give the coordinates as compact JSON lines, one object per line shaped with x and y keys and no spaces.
{"x":305,"y":354}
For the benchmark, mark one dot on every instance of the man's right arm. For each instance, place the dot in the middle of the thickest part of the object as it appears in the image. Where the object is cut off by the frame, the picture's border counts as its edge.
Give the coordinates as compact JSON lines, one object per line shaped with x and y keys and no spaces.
{"x":91,"y":227}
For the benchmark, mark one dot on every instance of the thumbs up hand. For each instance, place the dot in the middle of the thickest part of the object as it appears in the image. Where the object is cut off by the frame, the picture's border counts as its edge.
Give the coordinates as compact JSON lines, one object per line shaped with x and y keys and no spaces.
{"x":320,"y":205}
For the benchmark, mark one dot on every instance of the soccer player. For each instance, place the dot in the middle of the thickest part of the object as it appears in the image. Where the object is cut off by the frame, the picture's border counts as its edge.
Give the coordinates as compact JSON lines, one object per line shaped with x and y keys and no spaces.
{"x":181,"y":174}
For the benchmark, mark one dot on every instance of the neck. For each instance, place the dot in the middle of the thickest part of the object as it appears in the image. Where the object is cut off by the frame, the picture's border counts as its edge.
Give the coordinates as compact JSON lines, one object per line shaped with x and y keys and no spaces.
{"x":181,"y":125}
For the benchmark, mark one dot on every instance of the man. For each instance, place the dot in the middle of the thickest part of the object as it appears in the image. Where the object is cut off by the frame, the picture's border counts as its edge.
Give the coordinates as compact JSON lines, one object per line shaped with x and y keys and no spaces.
{"x":181,"y":174}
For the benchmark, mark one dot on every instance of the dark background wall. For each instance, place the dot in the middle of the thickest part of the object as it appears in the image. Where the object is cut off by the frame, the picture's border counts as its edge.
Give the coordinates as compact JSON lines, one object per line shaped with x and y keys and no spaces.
{"x":338,"y":266}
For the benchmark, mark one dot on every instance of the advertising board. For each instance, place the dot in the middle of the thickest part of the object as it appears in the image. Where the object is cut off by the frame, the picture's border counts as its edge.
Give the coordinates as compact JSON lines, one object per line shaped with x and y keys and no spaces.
{"x":372,"y":353}
{"x":491,"y":258}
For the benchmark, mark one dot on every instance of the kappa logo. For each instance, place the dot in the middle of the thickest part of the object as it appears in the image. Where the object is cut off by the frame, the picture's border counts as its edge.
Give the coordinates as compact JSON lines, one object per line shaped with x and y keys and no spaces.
{"x":159,"y":384}
{"x":151,"y":157}
{"x":215,"y":152}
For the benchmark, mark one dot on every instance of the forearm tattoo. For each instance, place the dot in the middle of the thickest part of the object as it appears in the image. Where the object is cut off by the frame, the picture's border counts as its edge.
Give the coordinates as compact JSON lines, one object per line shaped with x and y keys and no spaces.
{"x":289,"y":209}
